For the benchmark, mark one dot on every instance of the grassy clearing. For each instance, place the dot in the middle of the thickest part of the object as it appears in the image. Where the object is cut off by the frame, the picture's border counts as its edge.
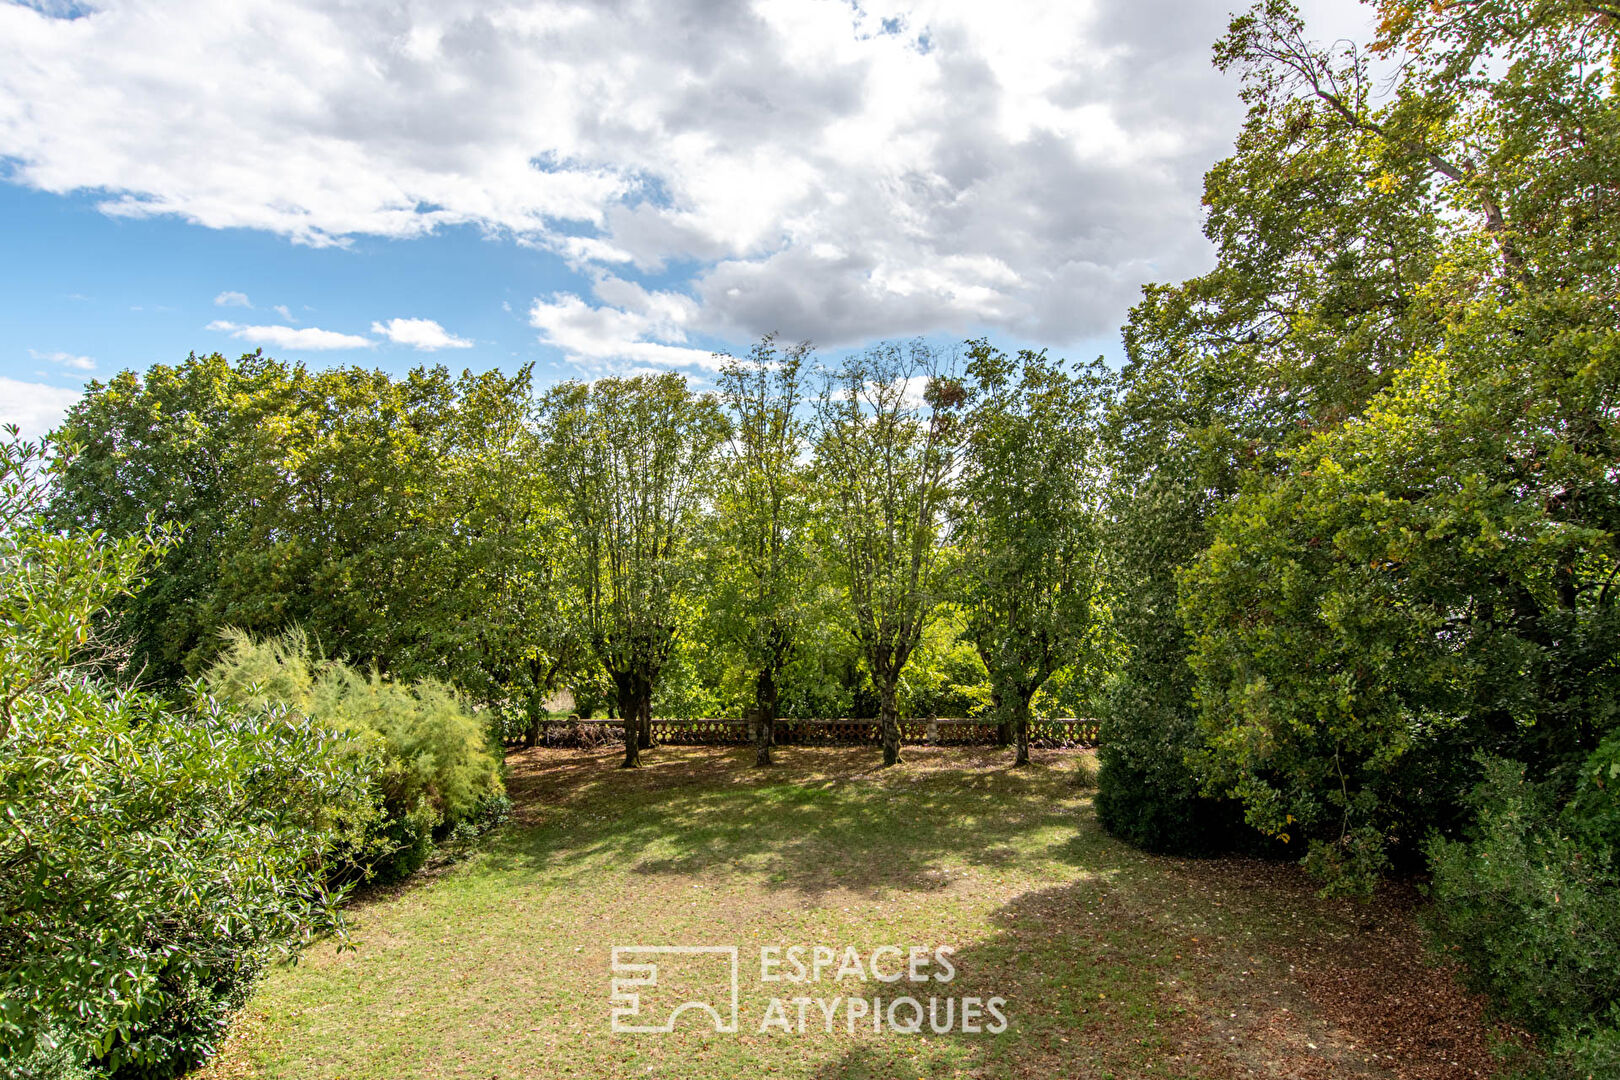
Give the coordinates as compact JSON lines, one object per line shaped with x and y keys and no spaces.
{"x":1112,"y":962}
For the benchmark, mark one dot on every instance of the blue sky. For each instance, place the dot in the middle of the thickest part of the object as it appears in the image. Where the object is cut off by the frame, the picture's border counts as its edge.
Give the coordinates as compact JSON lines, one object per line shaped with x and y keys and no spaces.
{"x":132,"y":293}
{"x":590,"y":188}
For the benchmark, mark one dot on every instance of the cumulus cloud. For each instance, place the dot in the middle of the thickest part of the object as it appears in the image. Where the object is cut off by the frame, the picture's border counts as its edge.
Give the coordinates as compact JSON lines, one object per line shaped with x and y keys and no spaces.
{"x":306,"y":338}
{"x":34,"y":407}
{"x":830,"y":170}
{"x":232,"y":299}
{"x":598,"y":336}
{"x":65,"y":359}
{"x":424,"y":334}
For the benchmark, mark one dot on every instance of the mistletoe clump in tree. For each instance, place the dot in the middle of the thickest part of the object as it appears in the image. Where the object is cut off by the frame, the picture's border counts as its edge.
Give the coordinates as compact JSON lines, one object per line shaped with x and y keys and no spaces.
{"x":889,"y":427}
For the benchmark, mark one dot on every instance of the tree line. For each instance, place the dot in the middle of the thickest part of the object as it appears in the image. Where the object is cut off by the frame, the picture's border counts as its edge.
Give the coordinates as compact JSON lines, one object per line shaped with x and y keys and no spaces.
{"x":514,"y":543}
{"x":1366,"y":492}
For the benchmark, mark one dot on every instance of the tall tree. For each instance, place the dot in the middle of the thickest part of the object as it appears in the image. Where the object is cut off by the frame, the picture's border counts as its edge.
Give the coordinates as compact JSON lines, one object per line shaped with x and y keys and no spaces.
{"x":307,"y":498}
{"x":630,"y":460}
{"x":888,"y":426}
{"x":1324,"y":236}
{"x":1029,"y":521}
{"x":1436,"y":580}
{"x":172,"y":445}
{"x":510,"y":628}
{"x":760,"y":582}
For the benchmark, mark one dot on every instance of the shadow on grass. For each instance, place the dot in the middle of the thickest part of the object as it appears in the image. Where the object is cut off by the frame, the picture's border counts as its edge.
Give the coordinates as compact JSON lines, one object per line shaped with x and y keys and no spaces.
{"x":823,"y":820}
{"x":1086,"y":983}
{"x":1080,"y":966}
{"x":1110,"y":961}
{"x":1136,"y":965}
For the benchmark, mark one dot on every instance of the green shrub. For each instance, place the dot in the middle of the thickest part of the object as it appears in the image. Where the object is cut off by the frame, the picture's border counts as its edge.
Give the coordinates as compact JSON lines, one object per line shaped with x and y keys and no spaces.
{"x":56,"y":1057}
{"x":435,"y":766}
{"x":181,"y":852}
{"x":1581,"y":1057}
{"x":1146,"y":793}
{"x":155,"y":857}
{"x":1530,"y":905}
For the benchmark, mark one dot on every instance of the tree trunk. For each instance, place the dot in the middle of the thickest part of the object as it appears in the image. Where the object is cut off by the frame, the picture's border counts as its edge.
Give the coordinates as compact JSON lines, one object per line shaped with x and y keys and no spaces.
{"x":531,"y":734}
{"x":629,"y":713}
{"x":889,"y":724}
{"x":644,"y":718}
{"x":764,"y":717}
{"x":1020,"y":725}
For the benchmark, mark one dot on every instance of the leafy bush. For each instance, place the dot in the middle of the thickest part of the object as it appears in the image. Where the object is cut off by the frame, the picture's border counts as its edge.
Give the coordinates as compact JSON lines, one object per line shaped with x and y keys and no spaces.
{"x":1530,"y":905}
{"x":55,"y":1060}
{"x":156,"y":857}
{"x":435,"y":766}
{"x":1146,"y":793}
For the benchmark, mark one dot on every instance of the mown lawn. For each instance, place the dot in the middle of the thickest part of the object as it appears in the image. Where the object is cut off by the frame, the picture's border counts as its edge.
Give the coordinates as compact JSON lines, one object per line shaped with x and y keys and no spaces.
{"x":1112,"y":962}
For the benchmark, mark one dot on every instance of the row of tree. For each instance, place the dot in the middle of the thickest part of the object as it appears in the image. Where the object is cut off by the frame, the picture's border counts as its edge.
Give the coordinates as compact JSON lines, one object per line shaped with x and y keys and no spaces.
{"x":1346,"y":520}
{"x":514,"y":544}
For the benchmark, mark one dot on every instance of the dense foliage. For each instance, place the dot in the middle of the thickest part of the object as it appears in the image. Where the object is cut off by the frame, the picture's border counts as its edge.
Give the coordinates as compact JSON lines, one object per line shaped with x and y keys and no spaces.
{"x":156,"y":855}
{"x":1369,"y":464}
{"x":1531,"y":905}
{"x":429,"y":758}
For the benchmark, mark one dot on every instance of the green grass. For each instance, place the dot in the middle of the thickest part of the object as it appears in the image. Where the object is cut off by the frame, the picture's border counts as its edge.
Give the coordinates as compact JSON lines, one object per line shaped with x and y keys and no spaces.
{"x":1112,"y":962}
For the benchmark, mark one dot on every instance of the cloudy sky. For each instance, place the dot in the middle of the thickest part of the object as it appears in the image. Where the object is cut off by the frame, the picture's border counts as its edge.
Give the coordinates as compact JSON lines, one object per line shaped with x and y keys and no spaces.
{"x":590,"y":186}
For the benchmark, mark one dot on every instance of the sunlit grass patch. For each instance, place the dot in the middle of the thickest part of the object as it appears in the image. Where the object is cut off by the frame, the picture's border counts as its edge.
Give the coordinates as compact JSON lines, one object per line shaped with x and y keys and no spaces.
{"x":1111,"y":962}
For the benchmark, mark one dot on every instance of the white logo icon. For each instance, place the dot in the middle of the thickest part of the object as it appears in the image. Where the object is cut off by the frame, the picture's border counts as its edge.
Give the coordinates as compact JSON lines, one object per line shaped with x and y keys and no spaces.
{"x":629,"y":975}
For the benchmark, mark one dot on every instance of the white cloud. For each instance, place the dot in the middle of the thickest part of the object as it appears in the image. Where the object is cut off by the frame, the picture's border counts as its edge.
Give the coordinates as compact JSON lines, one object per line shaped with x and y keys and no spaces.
{"x":424,"y":334}
{"x":829,"y":170}
{"x":599,"y":337}
{"x":232,"y":299}
{"x":307,"y":338}
{"x":65,"y":359}
{"x":282,"y":310}
{"x":34,"y":407}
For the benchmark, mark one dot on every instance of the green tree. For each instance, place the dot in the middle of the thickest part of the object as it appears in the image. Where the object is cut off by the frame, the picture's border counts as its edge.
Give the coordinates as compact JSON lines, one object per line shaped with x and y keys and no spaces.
{"x":631,"y":462}
{"x":1324,"y":236}
{"x":309,"y":499}
{"x":1029,"y":527}
{"x":510,"y":617}
{"x":888,"y":429}
{"x":1435,"y":577}
{"x":169,"y":446}
{"x":759,"y":585}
